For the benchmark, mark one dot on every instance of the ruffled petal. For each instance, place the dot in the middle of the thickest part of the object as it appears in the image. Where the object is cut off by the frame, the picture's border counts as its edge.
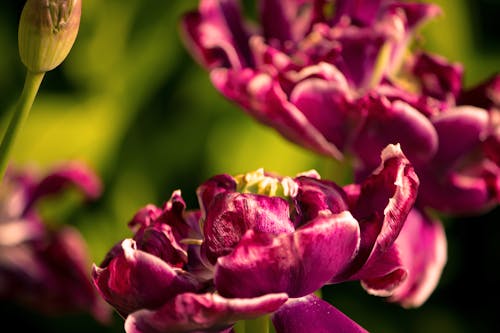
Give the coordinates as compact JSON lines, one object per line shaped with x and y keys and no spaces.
{"x":134,"y":279}
{"x":423,"y":250}
{"x":159,"y":240}
{"x":317,"y":197}
{"x":144,"y":217}
{"x":173,"y":215}
{"x":460,"y":131}
{"x":211,"y":188}
{"x":201,"y":312}
{"x":17,"y":231}
{"x":473,"y":191}
{"x":381,"y":206}
{"x":297,"y":263}
{"x":388,"y":193}
{"x":69,"y":286}
{"x":392,"y":123}
{"x":50,"y":275}
{"x":160,"y":231}
{"x":382,"y":273}
{"x":416,"y":13}
{"x":492,"y":148}
{"x":263,"y":98}
{"x":462,"y":178}
{"x":363,"y":12}
{"x":312,"y":314}
{"x":438,"y":78}
{"x":326,"y":106}
{"x":216,"y":36}
{"x":285,"y":20}
{"x":231,"y":215}
{"x":364,"y":56}
{"x":485,"y":95}
{"x":73,"y":174}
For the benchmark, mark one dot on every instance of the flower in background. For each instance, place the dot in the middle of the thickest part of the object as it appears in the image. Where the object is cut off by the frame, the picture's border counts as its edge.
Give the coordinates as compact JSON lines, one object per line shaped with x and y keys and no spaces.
{"x":261,"y":244}
{"x":42,"y":267}
{"x":303,"y":71}
{"x":338,"y":77}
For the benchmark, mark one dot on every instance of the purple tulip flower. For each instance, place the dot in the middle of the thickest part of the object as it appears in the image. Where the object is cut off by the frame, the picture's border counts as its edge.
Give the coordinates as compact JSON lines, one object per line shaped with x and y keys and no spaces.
{"x":304,"y":59}
{"x":260,"y":244}
{"x":335,"y":77}
{"x":41,"y":267}
{"x":336,"y":81}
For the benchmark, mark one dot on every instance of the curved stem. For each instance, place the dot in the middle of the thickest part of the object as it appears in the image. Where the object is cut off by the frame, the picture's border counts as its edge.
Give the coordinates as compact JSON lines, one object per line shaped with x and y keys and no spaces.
{"x":21,"y":112}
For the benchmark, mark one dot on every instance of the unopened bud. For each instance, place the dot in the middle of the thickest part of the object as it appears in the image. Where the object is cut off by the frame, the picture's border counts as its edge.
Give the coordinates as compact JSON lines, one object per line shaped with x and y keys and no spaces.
{"x":47,"y":32}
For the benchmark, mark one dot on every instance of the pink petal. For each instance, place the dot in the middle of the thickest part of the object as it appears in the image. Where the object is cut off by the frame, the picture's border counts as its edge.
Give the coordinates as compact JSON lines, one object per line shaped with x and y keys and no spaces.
{"x":381,"y":206}
{"x":393,"y":123}
{"x":201,"y":312}
{"x":232,"y":214}
{"x":263,"y":98}
{"x":422,"y":246}
{"x":311,"y":314}
{"x":215,"y":34}
{"x":73,"y":174}
{"x":297,"y":263}
{"x":134,"y":279}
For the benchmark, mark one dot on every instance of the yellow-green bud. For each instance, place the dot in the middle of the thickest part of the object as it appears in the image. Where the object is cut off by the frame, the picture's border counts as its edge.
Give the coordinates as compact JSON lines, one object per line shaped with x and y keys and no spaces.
{"x":47,"y":32}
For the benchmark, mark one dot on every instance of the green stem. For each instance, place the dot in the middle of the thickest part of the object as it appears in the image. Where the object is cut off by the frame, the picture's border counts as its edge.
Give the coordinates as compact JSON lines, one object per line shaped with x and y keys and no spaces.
{"x":239,"y":327}
{"x":21,"y":112}
{"x":258,"y":325}
{"x":319,"y":293}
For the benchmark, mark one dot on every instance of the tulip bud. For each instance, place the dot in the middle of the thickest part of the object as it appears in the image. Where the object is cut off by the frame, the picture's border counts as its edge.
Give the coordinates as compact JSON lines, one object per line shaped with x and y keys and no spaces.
{"x":47,"y":32}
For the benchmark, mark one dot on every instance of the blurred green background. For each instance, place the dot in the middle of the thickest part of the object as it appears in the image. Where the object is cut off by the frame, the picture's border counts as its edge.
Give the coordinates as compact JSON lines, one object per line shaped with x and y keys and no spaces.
{"x":131,"y":102}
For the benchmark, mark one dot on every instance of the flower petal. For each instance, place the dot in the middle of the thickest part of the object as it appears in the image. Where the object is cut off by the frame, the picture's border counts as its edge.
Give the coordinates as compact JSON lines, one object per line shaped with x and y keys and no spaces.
{"x":439,"y":79}
{"x":159,"y":241}
{"x":71,"y":174}
{"x":383,"y":203}
{"x":285,"y":20}
{"x":215,"y":34}
{"x":363,"y":12}
{"x":326,"y":106}
{"x":459,"y":130}
{"x":133,"y":279}
{"x":388,"y":193}
{"x":211,"y":188}
{"x":382,"y":273}
{"x":173,"y":216}
{"x":485,"y":95}
{"x":297,"y":263}
{"x":262,"y":97}
{"x":144,"y":217}
{"x":50,"y":275}
{"x":364,"y":55}
{"x":232,"y":214}
{"x":463,"y":177}
{"x":472,"y":190}
{"x":422,"y":247}
{"x":201,"y":312}
{"x":392,"y":123}
{"x":312,"y":314}
{"x":317,"y":197}
{"x":492,"y":146}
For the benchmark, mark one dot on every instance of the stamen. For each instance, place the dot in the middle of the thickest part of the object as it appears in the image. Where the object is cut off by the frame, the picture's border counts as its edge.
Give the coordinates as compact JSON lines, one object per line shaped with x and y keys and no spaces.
{"x":191,"y":241}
